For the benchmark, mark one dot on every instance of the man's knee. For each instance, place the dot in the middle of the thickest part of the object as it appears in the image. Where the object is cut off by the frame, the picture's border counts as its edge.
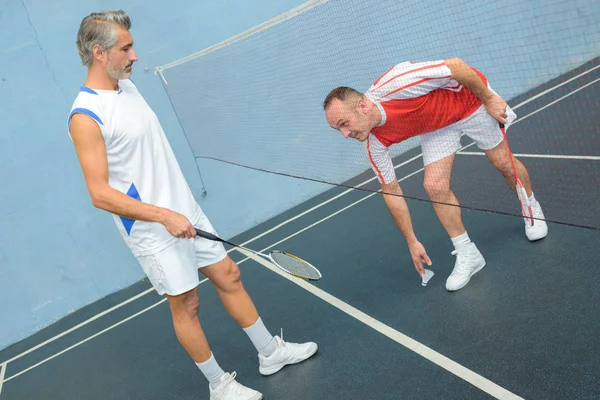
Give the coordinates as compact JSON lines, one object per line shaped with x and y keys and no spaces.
{"x":232,"y":272}
{"x":500,"y":159}
{"x":186,"y":305}
{"x":229,"y":279}
{"x":504,"y":165}
{"x":437,"y":188}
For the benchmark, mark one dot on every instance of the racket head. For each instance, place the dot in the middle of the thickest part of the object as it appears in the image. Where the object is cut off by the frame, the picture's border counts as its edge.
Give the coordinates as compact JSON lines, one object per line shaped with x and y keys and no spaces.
{"x":294,"y":265}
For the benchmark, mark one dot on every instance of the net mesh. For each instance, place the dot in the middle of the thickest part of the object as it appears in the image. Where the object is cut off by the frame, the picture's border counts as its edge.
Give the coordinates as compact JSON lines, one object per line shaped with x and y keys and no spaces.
{"x":258,"y":101}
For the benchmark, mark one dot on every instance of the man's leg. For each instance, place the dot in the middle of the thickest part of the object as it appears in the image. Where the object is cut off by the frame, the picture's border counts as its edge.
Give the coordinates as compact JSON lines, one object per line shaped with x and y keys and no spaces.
{"x":225,"y":275}
{"x":274,"y":353}
{"x":488,"y":135}
{"x":500,"y":159}
{"x":437,"y":185}
{"x":184,"y":311}
{"x":223,"y":386}
{"x":174,"y":273}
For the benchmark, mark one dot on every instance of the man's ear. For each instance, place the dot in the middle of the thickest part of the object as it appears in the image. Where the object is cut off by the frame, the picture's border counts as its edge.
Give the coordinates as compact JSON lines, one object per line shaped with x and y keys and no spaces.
{"x":98,"y":52}
{"x":362,"y":106}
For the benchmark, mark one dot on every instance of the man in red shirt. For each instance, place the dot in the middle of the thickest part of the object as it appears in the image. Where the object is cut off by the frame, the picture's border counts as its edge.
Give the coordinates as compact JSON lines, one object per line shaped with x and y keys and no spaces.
{"x":437,"y":101}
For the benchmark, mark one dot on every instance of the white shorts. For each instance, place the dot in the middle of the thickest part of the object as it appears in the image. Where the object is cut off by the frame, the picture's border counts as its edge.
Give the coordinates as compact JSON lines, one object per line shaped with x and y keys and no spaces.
{"x":174,"y":270}
{"x":480,"y":126}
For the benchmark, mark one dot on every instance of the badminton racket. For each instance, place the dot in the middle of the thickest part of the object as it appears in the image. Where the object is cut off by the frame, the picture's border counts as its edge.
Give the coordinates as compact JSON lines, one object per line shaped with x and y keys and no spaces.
{"x":287,"y":262}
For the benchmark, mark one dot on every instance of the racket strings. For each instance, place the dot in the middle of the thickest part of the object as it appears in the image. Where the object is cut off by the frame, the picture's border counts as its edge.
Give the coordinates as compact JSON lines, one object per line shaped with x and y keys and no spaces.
{"x":295,"y":265}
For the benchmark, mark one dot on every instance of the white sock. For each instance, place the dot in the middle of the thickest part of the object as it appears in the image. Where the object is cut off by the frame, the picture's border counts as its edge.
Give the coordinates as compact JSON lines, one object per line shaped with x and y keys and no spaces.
{"x":461,"y":241}
{"x":211,"y":370}
{"x":264,"y":342}
{"x":532,"y":199}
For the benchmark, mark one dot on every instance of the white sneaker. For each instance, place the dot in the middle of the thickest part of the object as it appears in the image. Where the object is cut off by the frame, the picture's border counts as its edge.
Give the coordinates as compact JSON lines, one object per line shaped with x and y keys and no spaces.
{"x":468,"y":261}
{"x":539,"y":229}
{"x":230,"y":389}
{"x":286,"y":353}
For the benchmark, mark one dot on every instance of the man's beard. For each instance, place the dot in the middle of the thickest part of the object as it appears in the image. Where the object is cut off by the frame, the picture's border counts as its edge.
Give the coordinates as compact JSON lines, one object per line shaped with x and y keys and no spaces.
{"x":119,"y":73}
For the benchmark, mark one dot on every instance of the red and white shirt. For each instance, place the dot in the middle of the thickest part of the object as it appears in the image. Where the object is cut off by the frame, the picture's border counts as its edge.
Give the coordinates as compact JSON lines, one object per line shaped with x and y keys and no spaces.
{"x":414,"y":98}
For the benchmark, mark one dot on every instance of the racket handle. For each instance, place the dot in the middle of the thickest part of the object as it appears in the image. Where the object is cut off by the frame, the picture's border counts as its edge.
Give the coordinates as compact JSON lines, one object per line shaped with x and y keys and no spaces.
{"x":207,"y":235}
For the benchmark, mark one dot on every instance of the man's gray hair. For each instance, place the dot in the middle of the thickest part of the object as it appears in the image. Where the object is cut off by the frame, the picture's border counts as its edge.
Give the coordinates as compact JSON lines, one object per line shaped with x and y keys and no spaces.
{"x":99,"y":29}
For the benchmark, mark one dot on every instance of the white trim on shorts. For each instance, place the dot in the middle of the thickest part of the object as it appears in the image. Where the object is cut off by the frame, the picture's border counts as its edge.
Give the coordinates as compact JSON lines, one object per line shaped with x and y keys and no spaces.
{"x":480,"y":126}
{"x":174,"y":270}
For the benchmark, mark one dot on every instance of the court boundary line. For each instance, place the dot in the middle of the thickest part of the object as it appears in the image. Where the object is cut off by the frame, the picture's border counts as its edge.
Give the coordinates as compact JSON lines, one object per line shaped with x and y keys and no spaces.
{"x":424,"y":351}
{"x":559,"y":99}
{"x":554,"y":87}
{"x":5,"y":363}
{"x":339,"y":211}
{"x":206,"y":279}
{"x":147,"y":291}
{"x":85,"y":340}
{"x":545,"y":156}
{"x":2,"y":372}
{"x":458,"y":152}
{"x":74,"y":328}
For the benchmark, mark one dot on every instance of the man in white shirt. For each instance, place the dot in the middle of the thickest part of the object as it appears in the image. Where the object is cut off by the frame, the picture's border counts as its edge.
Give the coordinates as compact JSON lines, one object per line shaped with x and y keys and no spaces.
{"x":131,"y":172}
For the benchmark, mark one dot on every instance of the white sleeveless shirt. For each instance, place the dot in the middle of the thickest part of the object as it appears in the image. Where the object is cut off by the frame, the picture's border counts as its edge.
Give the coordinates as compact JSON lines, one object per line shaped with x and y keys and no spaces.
{"x":141,"y":162}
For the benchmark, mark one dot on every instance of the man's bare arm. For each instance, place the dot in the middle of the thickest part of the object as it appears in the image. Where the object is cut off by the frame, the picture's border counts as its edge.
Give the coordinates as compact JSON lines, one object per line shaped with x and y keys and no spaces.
{"x":464,"y":74}
{"x":91,"y":151}
{"x":397,"y":206}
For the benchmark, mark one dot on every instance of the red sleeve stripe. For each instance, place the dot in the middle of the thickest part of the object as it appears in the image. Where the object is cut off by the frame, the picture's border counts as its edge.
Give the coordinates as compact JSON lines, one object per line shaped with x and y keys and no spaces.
{"x":411,"y":85}
{"x":407,"y":72}
{"x":372,"y":162}
{"x":378,"y":79}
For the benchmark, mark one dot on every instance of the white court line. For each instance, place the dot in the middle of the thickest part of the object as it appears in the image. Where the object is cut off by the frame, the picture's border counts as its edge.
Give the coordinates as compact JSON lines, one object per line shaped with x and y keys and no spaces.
{"x":442,"y":361}
{"x":87,"y":339}
{"x":92,"y":319}
{"x":460,"y":151}
{"x":271,"y":230}
{"x":87,"y":321}
{"x":2,"y":372}
{"x":549,"y":156}
{"x":324,"y":203}
{"x":554,"y":87}
{"x":338,"y":211}
{"x":204,"y":280}
{"x":559,"y":99}
{"x":421,"y":154}
{"x":79,"y":325}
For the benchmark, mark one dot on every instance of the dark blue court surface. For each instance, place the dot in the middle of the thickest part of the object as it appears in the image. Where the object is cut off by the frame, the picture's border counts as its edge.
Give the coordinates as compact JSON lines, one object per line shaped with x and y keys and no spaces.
{"x":526,"y":326}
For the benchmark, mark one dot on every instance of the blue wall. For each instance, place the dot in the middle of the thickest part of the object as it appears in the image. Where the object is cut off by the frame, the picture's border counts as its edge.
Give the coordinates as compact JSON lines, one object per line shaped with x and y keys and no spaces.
{"x":58,"y":253}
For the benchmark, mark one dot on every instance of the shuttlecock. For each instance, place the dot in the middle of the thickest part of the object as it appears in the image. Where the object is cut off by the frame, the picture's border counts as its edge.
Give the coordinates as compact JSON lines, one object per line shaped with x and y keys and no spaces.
{"x":427,"y":275}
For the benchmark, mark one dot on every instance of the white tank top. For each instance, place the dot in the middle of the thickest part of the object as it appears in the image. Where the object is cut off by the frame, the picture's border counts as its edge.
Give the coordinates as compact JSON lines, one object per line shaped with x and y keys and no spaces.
{"x":141,"y":162}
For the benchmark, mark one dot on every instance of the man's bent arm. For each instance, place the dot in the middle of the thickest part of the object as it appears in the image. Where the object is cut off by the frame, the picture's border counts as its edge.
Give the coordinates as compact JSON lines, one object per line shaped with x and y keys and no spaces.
{"x":464,"y":74}
{"x":399,"y":210}
{"x":91,"y":152}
